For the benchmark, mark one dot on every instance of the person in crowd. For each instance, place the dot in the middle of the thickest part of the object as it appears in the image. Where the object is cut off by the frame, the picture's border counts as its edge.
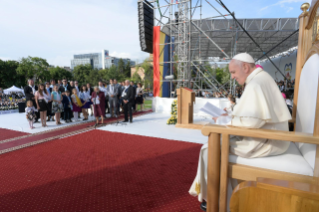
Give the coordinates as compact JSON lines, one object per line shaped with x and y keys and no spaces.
{"x":52,"y":83}
{"x":29,"y":92}
{"x":112,"y":94}
{"x":85,"y":99}
{"x":128,"y":96}
{"x":139,"y":96}
{"x":57,"y":107}
{"x":60,"y":83}
{"x":106,"y":100}
{"x":103,"y":104}
{"x":232,"y":100}
{"x":121,"y":104}
{"x":30,"y":113}
{"x":199,"y":93}
{"x":76,"y":86}
{"x":133,"y":103}
{"x":72,"y":86}
{"x":90,"y":91}
{"x":49,"y":111}
{"x":119,"y":92}
{"x":41,"y":99}
{"x":67,"y":106}
{"x":98,"y":97}
{"x":76,"y":104}
{"x":288,"y":101}
{"x":64,"y":87}
{"x":260,"y":89}
{"x":208,"y":95}
{"x":282,"y":86}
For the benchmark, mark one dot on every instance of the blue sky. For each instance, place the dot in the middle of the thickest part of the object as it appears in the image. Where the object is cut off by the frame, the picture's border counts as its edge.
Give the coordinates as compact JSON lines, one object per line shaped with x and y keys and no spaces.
{"x":57,"y":29}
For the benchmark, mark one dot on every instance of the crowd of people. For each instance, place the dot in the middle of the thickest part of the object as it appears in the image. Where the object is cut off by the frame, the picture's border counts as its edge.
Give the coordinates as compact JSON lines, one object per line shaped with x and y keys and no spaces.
{"x":223,"y":93}
{"x":67,"y":100}
{"x":10,"y":101}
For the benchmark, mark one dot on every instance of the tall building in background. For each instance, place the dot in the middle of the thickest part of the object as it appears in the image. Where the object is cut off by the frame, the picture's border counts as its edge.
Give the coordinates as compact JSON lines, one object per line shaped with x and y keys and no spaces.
{"x":98,"y":60}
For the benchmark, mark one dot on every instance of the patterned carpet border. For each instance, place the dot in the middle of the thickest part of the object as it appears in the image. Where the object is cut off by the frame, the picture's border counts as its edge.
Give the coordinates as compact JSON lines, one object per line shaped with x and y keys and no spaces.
{"x":72,"y":133}
{"x":64,"y":127}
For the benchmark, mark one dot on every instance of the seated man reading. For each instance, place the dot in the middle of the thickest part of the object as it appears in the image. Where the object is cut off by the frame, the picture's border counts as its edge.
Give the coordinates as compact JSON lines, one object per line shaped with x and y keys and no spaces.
{"x":260,"y":106}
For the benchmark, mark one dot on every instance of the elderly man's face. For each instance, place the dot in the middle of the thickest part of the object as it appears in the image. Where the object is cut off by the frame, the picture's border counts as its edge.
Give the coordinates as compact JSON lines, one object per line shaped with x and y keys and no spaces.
{"x":127,"y":83}
{"x":71,"y":83}
{"x":239,"y":71}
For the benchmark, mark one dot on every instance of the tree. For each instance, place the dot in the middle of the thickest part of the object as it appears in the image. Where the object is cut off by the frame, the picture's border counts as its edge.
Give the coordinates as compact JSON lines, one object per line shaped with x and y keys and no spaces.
{"x":81,"y":73}
{"x":136,"y":78}
{"x":58,"y":73}
{"x":34,"y":67}
{"x":9,"y":75}
{"x":219,"y":73}
{"x":148,"y":73}
{"x":121,"y":66}
{"x":93,"y":78}
{"x":226,"y":75}
{"x":127,"y":71}
{"x":103,"y":74}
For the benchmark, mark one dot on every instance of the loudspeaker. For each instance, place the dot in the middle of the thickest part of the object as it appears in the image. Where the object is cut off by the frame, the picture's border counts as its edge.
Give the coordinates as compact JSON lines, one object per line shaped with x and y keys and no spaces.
{"x":146,"y":24}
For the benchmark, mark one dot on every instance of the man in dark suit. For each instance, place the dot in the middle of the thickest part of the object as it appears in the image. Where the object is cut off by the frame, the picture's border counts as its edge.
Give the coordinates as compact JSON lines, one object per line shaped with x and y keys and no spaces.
{"x":29,"y":92}
{"x":128,"y":97}
{"x":65,"y":86}
{"x":134,"y":89}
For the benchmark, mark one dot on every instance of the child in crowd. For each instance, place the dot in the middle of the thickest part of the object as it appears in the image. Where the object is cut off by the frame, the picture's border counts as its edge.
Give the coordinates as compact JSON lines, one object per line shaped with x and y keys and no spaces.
{"x":30,"y":113}
{"x":67,"y":106}
{"x":232,"y":101}
{"x":77,"y":104}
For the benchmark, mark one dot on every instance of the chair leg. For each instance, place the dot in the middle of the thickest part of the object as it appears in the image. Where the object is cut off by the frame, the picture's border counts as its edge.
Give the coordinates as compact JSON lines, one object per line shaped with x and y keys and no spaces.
{"x":224,"y":174}
{"x":213,"y":172}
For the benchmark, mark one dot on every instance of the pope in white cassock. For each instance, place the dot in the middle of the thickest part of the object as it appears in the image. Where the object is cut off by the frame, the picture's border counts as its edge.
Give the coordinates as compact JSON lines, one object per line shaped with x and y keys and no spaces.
{"x":260,"y":106}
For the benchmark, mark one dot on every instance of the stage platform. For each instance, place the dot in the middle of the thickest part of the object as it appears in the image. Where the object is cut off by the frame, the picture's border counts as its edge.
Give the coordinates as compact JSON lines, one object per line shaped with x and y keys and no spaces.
{"x":18,"y":122}
{"x":154,"y":125}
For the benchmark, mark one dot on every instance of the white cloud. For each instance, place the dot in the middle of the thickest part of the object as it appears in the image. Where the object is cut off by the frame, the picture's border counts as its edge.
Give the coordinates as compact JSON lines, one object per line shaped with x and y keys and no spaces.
{"x":289,"y":9}
{"x":283,"y":2}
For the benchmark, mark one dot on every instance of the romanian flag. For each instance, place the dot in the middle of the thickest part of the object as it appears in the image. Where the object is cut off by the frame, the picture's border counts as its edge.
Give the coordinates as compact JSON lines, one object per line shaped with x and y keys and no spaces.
{"x":161,"y":59}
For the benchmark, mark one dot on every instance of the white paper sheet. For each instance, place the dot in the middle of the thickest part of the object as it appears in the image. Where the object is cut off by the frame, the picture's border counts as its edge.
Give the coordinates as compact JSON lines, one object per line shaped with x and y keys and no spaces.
{"x":212,"y":110}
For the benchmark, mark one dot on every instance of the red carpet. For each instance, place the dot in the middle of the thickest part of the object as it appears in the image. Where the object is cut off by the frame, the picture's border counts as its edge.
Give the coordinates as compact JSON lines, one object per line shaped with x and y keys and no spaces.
{"x":7,"y":134}
{"x":100,"y":171}
{"x":57,"y":132}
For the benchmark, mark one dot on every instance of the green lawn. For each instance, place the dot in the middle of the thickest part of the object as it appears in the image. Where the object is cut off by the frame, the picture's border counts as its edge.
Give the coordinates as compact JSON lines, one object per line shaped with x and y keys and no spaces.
{"x":148,"y":104}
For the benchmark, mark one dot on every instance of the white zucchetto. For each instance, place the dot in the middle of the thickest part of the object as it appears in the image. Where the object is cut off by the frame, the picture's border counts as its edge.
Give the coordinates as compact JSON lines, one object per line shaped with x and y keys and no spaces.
{"x":244,"y":57}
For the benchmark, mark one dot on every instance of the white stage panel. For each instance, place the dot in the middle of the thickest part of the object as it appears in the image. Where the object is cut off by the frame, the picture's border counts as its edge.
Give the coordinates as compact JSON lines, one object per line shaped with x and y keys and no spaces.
{"x":154,"y":125}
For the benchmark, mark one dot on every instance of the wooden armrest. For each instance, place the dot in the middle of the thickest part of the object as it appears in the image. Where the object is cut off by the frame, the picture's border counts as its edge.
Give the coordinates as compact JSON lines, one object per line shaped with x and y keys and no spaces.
{"x":261,"y":133}
{"x":293,"y":120}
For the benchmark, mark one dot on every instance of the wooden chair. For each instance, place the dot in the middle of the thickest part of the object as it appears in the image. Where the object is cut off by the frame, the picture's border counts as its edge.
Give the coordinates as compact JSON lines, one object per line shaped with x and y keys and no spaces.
{"x":301,"y":161}
{"x":266,"y":195}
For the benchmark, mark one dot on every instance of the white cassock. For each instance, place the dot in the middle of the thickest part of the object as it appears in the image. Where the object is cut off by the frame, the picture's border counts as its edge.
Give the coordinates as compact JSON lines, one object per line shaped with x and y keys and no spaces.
{"x":260,"y":106}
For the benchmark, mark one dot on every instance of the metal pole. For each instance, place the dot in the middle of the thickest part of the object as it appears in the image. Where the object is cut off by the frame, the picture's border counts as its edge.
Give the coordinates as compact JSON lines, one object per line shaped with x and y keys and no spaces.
{"x":278,"y":44}
{"x":210,"y":40}
{"x":171,"y":49}
{"x":252,"y":39}
{"x":190,"y":43}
